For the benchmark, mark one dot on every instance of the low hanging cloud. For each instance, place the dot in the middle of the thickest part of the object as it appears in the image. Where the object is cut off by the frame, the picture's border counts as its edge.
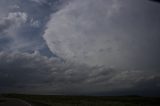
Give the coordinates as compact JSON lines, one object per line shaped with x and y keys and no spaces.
{"x":24,"y":72}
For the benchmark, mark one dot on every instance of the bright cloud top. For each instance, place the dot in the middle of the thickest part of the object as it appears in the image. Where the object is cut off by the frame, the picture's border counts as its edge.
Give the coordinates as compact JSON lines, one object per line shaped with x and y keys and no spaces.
{"x":102,"y":32}
{"x":78,"y":31}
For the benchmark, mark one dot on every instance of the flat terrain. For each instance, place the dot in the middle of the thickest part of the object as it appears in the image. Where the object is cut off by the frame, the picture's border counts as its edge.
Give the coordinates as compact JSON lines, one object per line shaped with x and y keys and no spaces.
{"x":13,"y":102}
{"x":50,"y":100}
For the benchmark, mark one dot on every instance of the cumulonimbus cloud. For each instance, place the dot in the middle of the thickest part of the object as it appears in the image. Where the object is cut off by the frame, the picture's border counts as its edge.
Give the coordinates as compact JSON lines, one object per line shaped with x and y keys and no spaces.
{"x":105,"y":32}
{"x":76,"y":32}
{"x":92,"y":35}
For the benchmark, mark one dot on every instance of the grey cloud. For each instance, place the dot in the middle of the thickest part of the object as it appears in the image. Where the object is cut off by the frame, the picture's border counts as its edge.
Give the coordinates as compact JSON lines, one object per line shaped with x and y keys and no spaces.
{"x":13,"y":19}
{"x":106,"y":32}
{"x":35,"y":23}
{"x":22,"y":24}
{"x":25,"y":34}
{"x":4,"y":25}
{"x":39,"y":1}
{"x":23,"y":72}
{"x":109,"y":32}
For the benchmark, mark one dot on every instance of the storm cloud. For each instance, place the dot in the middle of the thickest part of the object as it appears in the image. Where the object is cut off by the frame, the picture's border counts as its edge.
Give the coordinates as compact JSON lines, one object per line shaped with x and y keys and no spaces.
{"x":26,"y":72}
{"x":85,"y":47}
{"x":106,"y":32}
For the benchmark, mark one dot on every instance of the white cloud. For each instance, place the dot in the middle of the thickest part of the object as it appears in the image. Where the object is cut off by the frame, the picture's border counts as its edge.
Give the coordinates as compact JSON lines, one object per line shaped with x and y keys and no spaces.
{"x":79,"y":32}
{"x":104,"y":32}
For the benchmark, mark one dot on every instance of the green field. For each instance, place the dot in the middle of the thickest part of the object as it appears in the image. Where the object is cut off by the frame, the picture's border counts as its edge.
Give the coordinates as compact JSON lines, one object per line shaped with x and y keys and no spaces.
{"x":50,"y":100}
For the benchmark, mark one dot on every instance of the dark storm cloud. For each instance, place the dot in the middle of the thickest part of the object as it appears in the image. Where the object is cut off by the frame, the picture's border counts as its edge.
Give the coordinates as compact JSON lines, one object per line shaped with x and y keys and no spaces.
{"x":119,"y":39}
{"x":155,"y":0}
{"x":23,"y":72}
{"x":4,"y":25}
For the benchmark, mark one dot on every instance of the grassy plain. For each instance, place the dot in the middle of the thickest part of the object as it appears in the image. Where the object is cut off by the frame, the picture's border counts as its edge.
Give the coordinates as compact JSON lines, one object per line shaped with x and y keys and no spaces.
{"x":53,"y":100}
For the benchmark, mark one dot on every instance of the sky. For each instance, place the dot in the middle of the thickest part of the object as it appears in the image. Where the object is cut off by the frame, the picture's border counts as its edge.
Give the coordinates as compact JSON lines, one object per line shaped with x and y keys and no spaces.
{"x":80,"y":47}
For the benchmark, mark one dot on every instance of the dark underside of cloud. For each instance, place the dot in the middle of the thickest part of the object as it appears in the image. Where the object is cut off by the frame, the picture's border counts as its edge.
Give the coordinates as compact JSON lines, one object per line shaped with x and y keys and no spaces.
{"x":33,"y":73}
